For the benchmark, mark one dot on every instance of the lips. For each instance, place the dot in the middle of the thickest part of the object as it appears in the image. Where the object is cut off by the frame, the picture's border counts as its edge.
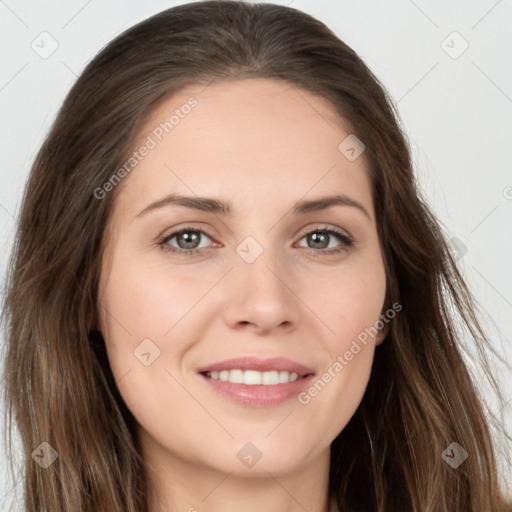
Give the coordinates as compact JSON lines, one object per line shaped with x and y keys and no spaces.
{"x":251,"y":393}
{"x":279,"y":364}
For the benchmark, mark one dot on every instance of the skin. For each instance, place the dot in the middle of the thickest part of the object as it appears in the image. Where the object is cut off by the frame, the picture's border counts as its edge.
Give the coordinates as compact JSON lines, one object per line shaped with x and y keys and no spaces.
{"x":263,"y":146}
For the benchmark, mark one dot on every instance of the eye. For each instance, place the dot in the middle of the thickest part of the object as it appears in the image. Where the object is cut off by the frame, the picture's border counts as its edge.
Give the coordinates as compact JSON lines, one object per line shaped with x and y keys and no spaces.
{"x":188,"y":241}
{"x":320,"y":240}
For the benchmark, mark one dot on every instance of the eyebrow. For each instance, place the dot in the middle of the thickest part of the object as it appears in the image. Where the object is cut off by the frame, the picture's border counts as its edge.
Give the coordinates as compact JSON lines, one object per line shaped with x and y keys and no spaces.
{"x":216,"y":206}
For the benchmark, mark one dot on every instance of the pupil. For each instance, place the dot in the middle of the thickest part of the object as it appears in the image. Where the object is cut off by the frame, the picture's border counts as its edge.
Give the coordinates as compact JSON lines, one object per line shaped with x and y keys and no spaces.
{"x":321,"y":238}
{"x":189,"y":237}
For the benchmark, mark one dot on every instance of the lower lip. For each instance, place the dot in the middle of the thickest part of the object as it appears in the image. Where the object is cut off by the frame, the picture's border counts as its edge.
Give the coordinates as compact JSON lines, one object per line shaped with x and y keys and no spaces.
{"x":259,"y":395}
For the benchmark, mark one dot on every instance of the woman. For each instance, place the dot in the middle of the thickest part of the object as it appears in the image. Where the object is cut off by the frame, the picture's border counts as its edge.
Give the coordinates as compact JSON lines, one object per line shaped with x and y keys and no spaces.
{"x":226,"y":290}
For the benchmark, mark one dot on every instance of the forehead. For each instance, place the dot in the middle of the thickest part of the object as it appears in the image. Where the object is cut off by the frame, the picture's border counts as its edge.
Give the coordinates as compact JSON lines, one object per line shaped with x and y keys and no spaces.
{"x":259,"y":140}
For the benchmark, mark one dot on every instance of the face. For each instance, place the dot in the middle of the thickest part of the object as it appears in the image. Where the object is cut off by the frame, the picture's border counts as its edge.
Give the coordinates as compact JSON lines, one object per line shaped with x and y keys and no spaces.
{"x":241,"y":324}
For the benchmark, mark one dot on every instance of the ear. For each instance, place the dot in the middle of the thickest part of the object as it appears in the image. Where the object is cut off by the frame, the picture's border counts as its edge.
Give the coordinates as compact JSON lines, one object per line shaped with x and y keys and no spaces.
{"x":381,"y":335}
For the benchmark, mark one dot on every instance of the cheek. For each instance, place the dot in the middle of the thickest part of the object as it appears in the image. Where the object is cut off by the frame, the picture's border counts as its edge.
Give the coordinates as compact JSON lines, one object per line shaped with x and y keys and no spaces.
{"x":145,"y":321}
{"x":351,"y":301}
{"x":335,"y":395}
{"x":337,"y":390}
{"x":148,"y":301}
{"x":351,"y":304}
{"x":138,"y":309}
{"x":152,"y":315}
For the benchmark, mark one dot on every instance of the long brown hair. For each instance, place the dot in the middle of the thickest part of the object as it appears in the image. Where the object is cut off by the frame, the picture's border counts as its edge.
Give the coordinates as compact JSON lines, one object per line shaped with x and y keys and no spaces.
{"x":58,"y":385}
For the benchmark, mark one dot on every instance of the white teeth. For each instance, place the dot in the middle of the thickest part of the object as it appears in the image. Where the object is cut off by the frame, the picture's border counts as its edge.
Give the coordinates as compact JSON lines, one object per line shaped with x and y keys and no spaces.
{"x":284,"y":377}
{"x":253,"y":377}
{"x":269,"y":378}
{"x":236,"y":376}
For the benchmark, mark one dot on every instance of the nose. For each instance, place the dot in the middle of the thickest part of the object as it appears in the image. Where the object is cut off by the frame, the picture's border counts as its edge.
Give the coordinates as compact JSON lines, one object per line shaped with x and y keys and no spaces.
{"x":261,"y":295}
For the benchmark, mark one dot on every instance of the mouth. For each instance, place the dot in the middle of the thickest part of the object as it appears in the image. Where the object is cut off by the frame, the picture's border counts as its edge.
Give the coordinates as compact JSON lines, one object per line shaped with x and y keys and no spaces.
{"x":256,"y":382}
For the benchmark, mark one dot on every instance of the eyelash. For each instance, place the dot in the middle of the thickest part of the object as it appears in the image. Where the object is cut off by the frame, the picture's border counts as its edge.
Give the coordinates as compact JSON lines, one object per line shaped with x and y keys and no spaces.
{"x":347,"y":242}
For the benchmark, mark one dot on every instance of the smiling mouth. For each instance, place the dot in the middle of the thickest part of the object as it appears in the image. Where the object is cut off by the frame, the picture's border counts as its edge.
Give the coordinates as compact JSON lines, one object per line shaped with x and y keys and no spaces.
{"x":254,"y":377}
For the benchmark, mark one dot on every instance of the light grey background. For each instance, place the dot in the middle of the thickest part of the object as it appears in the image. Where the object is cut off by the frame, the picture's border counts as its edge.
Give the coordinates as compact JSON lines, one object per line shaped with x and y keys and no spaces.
{"x":456,"y":110}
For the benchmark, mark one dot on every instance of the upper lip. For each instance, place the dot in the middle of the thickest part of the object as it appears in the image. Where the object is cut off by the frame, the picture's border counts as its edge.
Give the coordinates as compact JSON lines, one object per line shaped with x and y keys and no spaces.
{"x":261,"y":365}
